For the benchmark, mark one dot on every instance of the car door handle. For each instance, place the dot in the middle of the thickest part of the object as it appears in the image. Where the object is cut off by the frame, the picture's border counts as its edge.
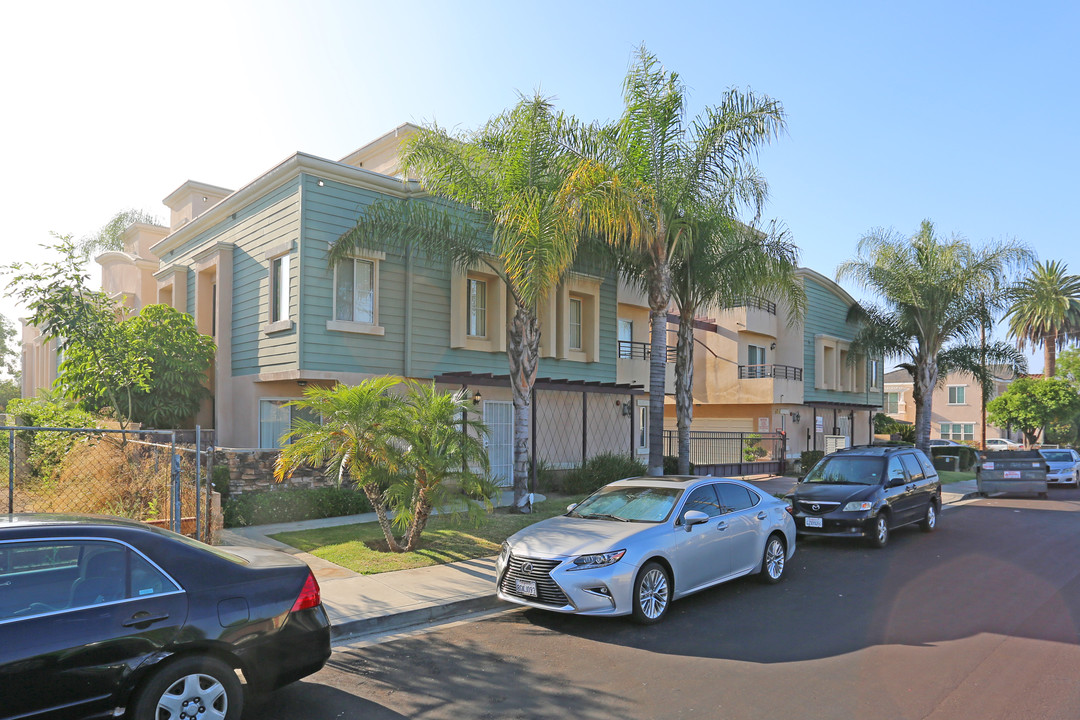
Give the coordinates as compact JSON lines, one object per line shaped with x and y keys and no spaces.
{"x":762,"y":515}
{"x":721,"y":526}
{"x":144,"y":618}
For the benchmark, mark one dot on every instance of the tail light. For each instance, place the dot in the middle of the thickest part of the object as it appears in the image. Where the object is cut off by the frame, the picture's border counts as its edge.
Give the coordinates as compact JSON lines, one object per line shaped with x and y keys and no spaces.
{"x":310,"y":595}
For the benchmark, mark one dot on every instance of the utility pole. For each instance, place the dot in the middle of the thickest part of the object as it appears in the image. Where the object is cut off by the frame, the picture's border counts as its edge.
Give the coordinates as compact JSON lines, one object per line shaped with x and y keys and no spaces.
{"x":985,"y":389}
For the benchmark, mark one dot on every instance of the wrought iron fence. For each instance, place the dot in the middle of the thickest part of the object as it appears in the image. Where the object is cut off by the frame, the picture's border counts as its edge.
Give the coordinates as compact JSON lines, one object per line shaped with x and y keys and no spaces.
{"x":145,"y":475}
{"x":715,"y":448}
{"x":629,"y":350}
{"x":756,"y":303}
{"x":783,"y":372}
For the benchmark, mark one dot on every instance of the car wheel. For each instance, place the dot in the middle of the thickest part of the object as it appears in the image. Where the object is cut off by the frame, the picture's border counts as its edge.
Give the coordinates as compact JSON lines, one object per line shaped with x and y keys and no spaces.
{"x":879,"y":531}
{"x":193,"y":687}
{"x":929,"y":521}
{"x":773,"y":560}
{"x":652,"y":593}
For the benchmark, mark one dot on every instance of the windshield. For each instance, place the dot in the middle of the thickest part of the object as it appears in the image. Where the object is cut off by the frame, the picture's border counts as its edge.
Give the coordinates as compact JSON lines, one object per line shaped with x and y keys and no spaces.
{"x":846,"y":471}
{"x":1058,"y":455}
{"x":628,"y":504}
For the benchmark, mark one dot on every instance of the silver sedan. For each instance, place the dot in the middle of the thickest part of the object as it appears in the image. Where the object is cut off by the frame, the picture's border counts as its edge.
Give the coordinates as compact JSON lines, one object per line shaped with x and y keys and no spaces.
{"x":634,"y":546}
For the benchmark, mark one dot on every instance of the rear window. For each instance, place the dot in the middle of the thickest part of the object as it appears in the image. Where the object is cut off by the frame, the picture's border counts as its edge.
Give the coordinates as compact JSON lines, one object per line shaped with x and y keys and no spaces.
{"x":1058,"y":455}
{"x":191,"y":542}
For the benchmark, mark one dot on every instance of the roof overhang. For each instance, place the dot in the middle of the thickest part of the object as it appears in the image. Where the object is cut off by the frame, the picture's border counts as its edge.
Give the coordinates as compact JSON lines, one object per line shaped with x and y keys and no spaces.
{"x":564,"y":385}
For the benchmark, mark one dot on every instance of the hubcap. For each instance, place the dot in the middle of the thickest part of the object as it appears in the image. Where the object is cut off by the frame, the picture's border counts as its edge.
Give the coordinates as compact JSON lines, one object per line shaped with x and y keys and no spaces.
{"x":931,"y":516}
{"x":882,"y":529}
{"x":774,"y":559}
{"x":194,"y":697}
{"x":653,"y":594}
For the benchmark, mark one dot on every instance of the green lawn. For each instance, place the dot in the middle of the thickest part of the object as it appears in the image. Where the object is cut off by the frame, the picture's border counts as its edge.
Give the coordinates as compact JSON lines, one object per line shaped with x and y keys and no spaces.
{"x":948,"y":476}
{"x":361,"y":547}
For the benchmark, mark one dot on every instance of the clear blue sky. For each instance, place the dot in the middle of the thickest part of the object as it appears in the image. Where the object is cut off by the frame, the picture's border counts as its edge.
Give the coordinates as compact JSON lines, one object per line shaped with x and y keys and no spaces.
{"x":958,"y":112}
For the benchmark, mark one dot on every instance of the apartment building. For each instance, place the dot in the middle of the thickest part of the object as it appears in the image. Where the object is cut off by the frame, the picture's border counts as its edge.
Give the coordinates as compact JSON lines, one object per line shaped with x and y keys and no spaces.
{"x":957,"y":406}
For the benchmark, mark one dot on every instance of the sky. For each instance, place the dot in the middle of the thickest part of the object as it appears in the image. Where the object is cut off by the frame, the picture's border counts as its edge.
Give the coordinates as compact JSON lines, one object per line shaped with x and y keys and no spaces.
{"x":958,"y":112}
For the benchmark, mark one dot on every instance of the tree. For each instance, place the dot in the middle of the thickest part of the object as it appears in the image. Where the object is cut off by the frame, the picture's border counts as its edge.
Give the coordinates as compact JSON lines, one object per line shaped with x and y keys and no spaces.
{"x":1032,"y":404}
{"x":1045,"y":310}
{"x":1068,"y":369}
{"x":110,"y":236}
{"x":407,"y":453}
{"x":640,"y":176}
{"x":500,"y":203}
{"x":721,"y":262}
{"x":933,"y":294}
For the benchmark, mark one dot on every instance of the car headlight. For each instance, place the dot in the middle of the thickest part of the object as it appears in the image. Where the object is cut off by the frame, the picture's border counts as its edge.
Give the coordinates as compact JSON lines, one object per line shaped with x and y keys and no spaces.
{"x":505,"y":552}
{"x":597,"y":560}
{"x":858,"y":506}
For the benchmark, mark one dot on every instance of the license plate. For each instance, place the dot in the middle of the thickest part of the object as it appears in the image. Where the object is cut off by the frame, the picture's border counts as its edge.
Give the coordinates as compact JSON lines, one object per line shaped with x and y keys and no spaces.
{"x":1012,"y":474}
{"x":525,"y":587}
{"x":813,"y":522}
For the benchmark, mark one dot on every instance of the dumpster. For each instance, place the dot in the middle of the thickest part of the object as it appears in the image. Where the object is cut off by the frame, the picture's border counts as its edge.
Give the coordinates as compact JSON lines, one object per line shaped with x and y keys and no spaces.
{"x":1011,"y":471}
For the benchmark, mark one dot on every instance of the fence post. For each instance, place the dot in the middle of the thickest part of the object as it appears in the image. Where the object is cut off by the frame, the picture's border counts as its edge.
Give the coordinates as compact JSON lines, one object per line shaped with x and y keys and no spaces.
{"x":198,"y":482}
{"x":174,"y":464}
{"x":584,"y":427}
{"x":210,"y":490}
{"x":535,"y":429}
{"x":11,"y":471}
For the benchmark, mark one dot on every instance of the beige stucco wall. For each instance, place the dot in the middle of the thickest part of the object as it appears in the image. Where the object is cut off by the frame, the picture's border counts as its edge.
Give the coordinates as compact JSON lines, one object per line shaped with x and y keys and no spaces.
{"x":942,"y":412}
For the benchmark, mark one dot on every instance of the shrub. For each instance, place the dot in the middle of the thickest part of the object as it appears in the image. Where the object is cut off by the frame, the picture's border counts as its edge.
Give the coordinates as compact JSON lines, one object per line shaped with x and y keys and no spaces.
{"x":752,"y":449}
{"x":671,"y":465}
{"x":45,"y":450}
{"x":220,"y":480}
{"x":809,"y":459}
{"x":262,"y":508}
{"x":600,"y":470}
{"x":967,"y":456}
{"x":547,"y":477}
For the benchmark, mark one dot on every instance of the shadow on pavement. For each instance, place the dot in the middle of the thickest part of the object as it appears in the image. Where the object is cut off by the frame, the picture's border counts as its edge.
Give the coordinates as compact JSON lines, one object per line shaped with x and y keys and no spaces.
{"x":313,"y":701}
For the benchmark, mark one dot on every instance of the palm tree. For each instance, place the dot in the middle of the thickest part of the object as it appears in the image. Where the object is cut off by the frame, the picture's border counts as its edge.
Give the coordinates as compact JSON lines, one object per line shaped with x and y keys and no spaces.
{"x":640,"y":176}
{"x":933,"y":293}
{"x":1045,"y":310}
{"x":438,"y":459}
{"x":357,"y":437}
{"x":723,"y":260}
{"x":110,"y":236}
{"x":507,"y":211}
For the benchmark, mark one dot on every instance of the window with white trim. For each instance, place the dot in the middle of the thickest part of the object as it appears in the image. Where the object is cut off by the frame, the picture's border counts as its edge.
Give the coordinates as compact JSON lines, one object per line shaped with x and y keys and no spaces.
{"x":276,"y":418}
{"x":575,"y":323}
{"x":892,"y":403}
{"x":279,"y":288}
{"x":643,"y":428}
{"x":476,"y":298}
{"x":354,"y":291}
{"x":957,"y":395}
{"x":960,"y":432}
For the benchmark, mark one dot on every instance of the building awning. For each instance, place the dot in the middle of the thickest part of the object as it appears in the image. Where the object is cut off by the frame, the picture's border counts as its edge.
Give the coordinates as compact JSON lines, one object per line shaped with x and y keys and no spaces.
{"x":843,"y":406}
{"x":564,"y":385}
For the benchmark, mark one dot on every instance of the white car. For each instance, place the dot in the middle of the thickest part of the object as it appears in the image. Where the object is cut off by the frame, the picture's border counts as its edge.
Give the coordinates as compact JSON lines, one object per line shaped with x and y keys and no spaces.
{"x":1064,"y":466}
{"x":1002,"y":444}
{"x":634,"y":546}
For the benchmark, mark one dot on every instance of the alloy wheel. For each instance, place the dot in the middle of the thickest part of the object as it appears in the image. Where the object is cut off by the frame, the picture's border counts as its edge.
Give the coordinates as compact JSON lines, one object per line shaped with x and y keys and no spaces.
{"x":653,"y":594}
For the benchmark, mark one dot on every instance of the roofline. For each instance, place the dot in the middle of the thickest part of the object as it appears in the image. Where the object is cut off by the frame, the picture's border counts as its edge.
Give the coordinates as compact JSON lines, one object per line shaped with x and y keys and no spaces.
{"x":195,"y":185}
{"x":831,"y":285}
{"x":287,"y":169}
{"x":386,"y":135}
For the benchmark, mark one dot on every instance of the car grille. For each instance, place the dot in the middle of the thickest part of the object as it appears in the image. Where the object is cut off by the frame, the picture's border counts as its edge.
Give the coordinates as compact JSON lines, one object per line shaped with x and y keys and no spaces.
{"x":823,"y":508}
{"x":547,"y":592}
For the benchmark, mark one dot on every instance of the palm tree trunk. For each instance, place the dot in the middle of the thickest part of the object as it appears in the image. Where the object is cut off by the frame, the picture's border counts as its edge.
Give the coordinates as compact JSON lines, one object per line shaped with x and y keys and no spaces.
{"x":421,"y":514}
{"x":1049,"y":358}
{"x":523,"y":350}
{"x":378,"y":504}
{"x":684,"y":385}
{"x":659,"y":298}
{"x":922,"y":392}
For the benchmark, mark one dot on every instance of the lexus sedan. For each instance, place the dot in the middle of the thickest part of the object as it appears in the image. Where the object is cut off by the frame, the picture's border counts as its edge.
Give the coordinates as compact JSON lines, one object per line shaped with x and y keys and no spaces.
{"x":634,"y":546}
{"x":1064,"y":466}
{"x":867,"y":491}
{"x":103,"y":617}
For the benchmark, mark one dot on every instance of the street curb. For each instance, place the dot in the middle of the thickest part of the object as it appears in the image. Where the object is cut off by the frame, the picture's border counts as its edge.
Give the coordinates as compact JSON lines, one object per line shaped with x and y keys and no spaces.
{"x":409,"y":618}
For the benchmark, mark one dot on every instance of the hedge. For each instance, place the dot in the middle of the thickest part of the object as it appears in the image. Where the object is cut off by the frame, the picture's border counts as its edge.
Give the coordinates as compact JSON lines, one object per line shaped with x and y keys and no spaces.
{"x":262,"y":508}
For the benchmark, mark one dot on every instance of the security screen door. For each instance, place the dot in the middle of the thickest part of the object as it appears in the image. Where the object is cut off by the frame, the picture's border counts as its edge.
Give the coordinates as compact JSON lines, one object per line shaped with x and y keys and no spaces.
{"x":499,"y":418}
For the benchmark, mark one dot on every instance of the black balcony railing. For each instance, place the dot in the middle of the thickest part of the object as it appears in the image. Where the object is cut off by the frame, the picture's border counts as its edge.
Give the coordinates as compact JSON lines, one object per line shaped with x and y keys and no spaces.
{"x":783,"y":372}
{"x":756,"y":303}
{"x":641,"y":351}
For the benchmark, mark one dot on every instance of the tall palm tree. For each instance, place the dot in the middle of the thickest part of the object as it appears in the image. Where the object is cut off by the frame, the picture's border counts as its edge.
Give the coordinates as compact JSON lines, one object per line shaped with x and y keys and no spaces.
{"x":1045,"y":310}
{"x":110,"y":236}
{"x":721,"y":261}
{"x":932,"y":294}
{"x":507,"y":210}
{"x":640,"y":176}
{"x":356,"y":437}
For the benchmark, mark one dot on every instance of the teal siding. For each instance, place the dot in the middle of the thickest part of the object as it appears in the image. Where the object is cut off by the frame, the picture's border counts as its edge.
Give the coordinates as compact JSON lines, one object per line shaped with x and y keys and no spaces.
{"x":330,"y":210}
{"x":826,"y":314}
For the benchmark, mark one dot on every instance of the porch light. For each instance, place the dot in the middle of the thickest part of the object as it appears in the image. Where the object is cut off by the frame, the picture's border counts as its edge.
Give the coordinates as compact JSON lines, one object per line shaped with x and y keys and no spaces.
{"x":476,"y":398}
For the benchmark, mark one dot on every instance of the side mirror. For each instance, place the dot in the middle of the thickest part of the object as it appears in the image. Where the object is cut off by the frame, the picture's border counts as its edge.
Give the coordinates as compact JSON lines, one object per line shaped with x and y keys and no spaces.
{"x":896,"y":482}
{"x":694,"y":517}
{"x":800,"y":478}
{"x":570,"y":507}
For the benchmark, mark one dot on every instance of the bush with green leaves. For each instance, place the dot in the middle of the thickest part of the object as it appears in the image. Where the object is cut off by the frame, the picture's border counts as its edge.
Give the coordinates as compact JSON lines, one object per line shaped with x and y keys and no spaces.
{"x":671,"y":465}
{"x":262,"y":508}
{"x":46,"y":450}
{"x":600,"y":470}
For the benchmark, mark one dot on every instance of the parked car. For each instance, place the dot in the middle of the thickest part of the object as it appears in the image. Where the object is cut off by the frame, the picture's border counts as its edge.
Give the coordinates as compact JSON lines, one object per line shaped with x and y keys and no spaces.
{"x":867,"y":491}
{"x":1002,"y":444}
{"x":101,"y":616}
{"x":634,"y":546}
{"x":933,"y":442}
{"x":1064,"y":466}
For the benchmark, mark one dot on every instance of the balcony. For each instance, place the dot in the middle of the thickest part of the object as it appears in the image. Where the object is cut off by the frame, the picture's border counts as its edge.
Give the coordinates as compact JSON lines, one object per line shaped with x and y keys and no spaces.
{"x":780,"y":372}
{"x":753,"y":315}
{"x":754,"y":303}
{"x":632,"y":365}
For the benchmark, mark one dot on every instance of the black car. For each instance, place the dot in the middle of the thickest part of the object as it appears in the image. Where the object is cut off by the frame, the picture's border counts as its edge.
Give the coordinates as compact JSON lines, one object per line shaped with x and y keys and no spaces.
{"x":867,"y":491}
{"x":101,"y":616}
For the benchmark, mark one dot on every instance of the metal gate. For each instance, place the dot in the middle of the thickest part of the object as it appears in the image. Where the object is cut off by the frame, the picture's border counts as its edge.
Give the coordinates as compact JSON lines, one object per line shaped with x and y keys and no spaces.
{"x":499,"y":418}
{"x":145,"y":475}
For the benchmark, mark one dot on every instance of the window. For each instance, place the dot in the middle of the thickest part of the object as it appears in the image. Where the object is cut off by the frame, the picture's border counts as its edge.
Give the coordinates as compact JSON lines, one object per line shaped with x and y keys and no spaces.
{"x":895,"y":470}
{"x":477,"y":308}
{"x":354,"y":291}
{"x":892,"y":403}
{"x":874,"y":374}
{"x":957,"y":394}
{"x":643,"y":428}
{"x":703,"y":499}
{"x":734,"y":498}
{"x":958,"y":431}
{"x":626,"y":337}
{"x":755,"y":361}
{"x":279,"y":289}
{"x":575,"y":323}
{"x":911,"y":464}
{"x":276,"y":419}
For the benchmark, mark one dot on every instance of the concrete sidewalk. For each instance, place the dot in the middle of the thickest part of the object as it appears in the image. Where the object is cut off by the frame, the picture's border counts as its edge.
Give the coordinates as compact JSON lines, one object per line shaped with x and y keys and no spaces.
{"x":361,"y":604}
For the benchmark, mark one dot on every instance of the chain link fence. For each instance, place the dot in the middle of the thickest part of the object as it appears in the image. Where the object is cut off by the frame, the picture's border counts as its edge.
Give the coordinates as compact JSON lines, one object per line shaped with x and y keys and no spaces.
{"x":145,"y":475}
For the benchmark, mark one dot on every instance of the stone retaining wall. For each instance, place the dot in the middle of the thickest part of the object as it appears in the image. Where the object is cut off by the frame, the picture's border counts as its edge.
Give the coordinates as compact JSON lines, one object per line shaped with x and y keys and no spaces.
{"x":253,"y":471}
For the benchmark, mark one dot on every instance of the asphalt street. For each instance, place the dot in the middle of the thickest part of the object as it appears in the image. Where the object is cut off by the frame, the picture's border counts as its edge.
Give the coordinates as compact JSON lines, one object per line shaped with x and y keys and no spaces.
{"x":980,"y":619}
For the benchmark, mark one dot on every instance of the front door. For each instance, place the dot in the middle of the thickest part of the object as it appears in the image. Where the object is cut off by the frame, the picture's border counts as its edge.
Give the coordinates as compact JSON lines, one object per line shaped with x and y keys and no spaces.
{"x":499,"y":418}
{"x":843,"y":424}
